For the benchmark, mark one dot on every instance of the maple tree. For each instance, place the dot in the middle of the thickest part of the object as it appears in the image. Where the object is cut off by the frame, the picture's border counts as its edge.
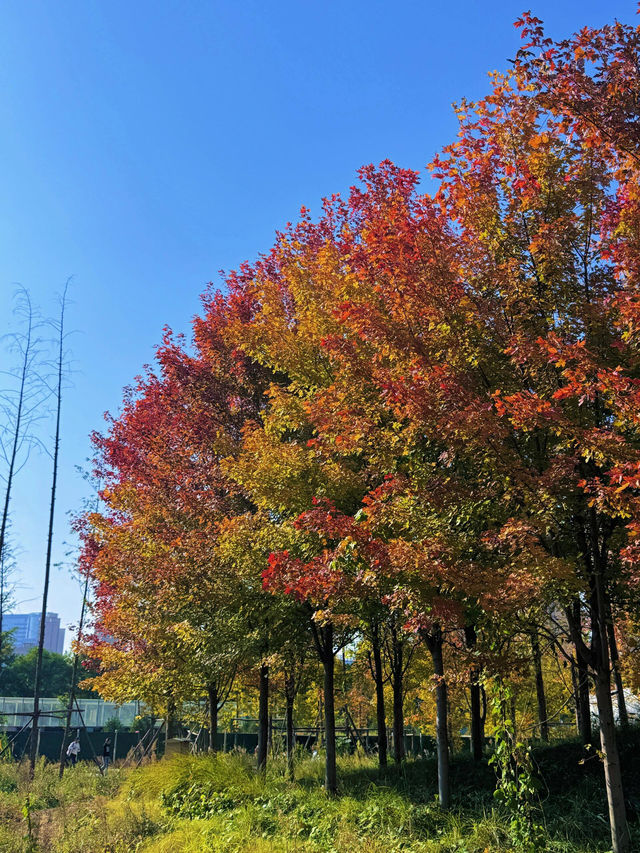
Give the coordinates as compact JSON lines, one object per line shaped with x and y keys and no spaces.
{"x":179,"y":605}
{"x":298,"y":454}
{"x":170,"y":615}
{"x":413,"y":421}
{"x":332,"y":386}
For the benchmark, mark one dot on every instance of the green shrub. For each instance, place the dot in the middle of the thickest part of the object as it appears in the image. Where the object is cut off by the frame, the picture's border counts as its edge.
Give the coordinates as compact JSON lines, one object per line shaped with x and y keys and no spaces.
{"x":198,"y":800}
{"x":8,"y":778}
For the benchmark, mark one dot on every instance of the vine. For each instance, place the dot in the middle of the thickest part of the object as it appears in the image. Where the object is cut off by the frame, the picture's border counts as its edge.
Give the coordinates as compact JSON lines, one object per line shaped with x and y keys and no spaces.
{"x":517,"y":785}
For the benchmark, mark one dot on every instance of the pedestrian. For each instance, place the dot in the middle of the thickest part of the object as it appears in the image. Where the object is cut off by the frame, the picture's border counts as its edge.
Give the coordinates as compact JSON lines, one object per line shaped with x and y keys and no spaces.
{"x":106,"y":754}
{"x":73,"y":751}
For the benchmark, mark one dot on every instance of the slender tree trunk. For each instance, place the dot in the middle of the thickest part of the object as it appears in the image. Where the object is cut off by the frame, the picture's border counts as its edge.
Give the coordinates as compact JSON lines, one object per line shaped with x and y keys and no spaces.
{"x":398,"y":700}
{"x":74,"y":676}
{"x":168,"y":727}
{"x":2,"y":606}
{"x":623,"y":715}
{"x":13,"y":454}
{"x":398,"y":719}
{"x":330,"y":778}
{"x":380,"y":710}
{"x":290,"y":694}
{"x":576,"y":697}
{"x":620,"y":839}
{"x":450,"y":727}
{"x":3,"y":601}
{"x":476,"y":717}
{"x":263,"y":718}
{"x":434,"y":643}
{"x":600,"y":608}
{"x":323,"y":637}
{"x":474,"y":691}
{"x":540,"y":694}
{"x":212,"y":694}
{"x":33,"y":753}
{"x":586,"y":733}
{"x":583,"y":708}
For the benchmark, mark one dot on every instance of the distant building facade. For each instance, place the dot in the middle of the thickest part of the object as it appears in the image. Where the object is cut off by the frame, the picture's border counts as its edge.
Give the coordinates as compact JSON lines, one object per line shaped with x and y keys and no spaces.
{"x":26,"y":631}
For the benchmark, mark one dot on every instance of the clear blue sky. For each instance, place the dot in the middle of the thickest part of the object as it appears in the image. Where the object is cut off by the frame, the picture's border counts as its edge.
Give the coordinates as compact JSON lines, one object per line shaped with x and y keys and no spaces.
{"x":146,"y":145}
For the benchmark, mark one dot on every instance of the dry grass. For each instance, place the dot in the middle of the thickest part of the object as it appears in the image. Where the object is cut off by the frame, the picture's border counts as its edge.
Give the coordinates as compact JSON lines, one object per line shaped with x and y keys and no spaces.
{"x":219,"y":804}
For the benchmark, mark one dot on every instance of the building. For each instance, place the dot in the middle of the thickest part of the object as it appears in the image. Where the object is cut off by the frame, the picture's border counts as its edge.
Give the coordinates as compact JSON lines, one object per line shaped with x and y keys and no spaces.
{"x":15,"y":710}
{"x":26,"y":631}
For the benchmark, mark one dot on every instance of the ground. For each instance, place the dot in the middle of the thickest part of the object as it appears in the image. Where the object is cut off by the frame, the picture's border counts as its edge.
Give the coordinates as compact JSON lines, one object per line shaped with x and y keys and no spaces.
{"x":218,"y":803}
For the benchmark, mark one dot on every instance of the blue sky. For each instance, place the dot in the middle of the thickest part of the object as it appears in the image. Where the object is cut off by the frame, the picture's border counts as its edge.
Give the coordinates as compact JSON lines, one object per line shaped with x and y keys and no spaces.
{"x":146,"y":145}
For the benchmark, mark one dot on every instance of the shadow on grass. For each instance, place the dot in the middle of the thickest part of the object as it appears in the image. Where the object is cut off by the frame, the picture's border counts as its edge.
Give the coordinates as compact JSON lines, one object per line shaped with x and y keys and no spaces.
{"x":572,"y":794}
{"x":381,"y":811}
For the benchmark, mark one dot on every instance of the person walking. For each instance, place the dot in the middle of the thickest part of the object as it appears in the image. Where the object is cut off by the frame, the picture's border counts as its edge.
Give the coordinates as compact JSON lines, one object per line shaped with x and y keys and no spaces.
{"x":106,"y":754}
{"x":73,"y":750}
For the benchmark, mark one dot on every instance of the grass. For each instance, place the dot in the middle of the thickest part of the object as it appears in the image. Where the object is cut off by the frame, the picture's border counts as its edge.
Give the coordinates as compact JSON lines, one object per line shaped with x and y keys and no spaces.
{"x":212,"y":804}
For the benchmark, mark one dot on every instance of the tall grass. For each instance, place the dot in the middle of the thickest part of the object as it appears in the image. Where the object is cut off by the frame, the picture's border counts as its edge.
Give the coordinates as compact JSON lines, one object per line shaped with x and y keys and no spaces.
{"x":219,"y":803}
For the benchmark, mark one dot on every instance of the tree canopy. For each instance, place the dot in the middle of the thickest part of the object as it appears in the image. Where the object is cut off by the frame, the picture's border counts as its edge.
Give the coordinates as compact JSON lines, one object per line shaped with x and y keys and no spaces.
{"x":415,"y":418}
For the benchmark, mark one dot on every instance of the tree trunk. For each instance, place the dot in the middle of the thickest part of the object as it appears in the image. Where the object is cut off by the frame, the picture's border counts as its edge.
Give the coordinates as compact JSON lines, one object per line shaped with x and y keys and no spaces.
{"x":576,"y":696}
{"x":212,"y":693}
{"x":324,"y":639}
{"x":290,"y":691}
{"x":483,"y":713}
{"x":33,"y":752}
{"x":398,"y":700}
{"x":433,"y":641}
{"x":330,"y":778}
{"x":620,"y":839}
{"x":585,"y":704}
{"x":474,"y":690}
{"x":476,"y":718}
{"x":169,"y":723}
{"x":263,"y":718}
{"x":67,"y":722}
{"x":380,"y":710}
{"x":583,"y":708}
{"x":623,"y":716}
{"x":540,"y":695}
{"x":74,"y":676}
{"x":600,"y":609}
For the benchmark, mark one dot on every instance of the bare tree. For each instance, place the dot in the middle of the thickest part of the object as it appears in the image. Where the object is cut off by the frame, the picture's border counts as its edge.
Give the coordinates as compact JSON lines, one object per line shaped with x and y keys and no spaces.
{"x":7,"y":597}
{"x":19,"y":408}
{"x":52,"y":505}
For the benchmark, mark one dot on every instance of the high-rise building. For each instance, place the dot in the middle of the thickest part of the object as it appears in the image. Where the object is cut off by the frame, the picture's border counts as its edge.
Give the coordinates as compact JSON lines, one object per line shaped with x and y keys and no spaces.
{"x":26,"y":631}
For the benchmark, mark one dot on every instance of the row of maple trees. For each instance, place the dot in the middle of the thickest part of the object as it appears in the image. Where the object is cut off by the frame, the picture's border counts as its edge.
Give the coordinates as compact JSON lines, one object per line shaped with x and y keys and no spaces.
{"x":415,"y":419}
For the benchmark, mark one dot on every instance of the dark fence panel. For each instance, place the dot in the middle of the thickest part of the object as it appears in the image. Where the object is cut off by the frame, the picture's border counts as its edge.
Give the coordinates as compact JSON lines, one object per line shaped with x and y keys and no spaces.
{"x":50,"y":742}
{"x":123,"y":742}
{"x":237,"y":740}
